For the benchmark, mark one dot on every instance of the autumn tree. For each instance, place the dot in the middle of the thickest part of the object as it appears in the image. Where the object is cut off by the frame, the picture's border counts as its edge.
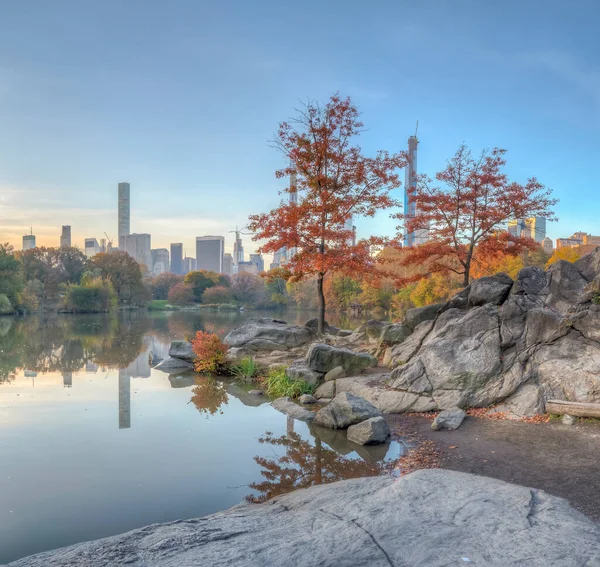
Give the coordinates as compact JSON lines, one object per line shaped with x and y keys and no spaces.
{"x":162,"y":284}
{"x":217,"y":294}
{"x":276,"y":285}
{"x":468,"y":207}
{"x":123,"y":272}
{"x":564,"y":253}
{"x":203,"y":279}
{"x":335,"y":183}
{"x":181,"y":294}
{"x":247,"y":288}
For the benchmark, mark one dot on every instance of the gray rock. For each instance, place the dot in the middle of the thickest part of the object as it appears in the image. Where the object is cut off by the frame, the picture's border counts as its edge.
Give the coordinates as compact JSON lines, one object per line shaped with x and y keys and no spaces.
{"x":307,"y":399}
{"x":323,"y":358}
{"x":182,"y":350}
{"x":154,"y":359}
{"x":344,"y":333}
{"x":299,"y":371}
{"x":346,"y":409}
{"x":326,"y":390}
{"x":493,"y":289}
{"x":527,"y":401}
{"x":313,"y":325}
{"x":287,"y":406}
{"x":256,"y":392}
{"x":430,"y":518}
{"x":171,"y":364}
{"x":261,"y":333}
{"x":420,"y":314}
{"x":335,"y":373}
{"x":449,"y":419}
{"x":569,"y":419}
{"x":369,"y":432}
{"x":394,"y":334}
{"x":373,"y":328}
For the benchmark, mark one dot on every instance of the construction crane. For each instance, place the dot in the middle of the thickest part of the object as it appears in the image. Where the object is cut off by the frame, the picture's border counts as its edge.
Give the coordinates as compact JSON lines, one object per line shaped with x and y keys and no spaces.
{"x":108,"y":242}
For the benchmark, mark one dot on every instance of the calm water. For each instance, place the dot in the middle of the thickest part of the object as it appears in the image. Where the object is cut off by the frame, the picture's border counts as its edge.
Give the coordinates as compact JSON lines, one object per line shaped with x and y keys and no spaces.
{"x":93,"y":442}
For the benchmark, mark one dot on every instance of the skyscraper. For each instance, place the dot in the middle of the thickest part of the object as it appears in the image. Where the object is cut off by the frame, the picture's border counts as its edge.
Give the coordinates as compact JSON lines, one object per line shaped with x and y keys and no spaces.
{"x":177,"y":258}
{"x":227,"y":264}
{"x":533,"y":227}
{"x":421,"y":235}
{"x":160,"y":261}
{"x":138,"y":246}
{"x":189,"y":265}
{"x":28,"y":241}
{"x":238,"y":249}
{"x":65,"y":237}
{"x":258,"y":261}
{"x":209,"y":253}
{"x":124,"y":214}
{"x":91,"y":247}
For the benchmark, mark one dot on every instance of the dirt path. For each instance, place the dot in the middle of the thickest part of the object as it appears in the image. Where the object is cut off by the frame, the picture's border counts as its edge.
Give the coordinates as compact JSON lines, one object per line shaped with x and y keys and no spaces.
{"x":562,"y":460}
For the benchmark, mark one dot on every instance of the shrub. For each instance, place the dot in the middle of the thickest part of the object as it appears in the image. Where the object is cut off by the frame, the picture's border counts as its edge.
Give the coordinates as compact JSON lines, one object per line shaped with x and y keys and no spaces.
{"x":181,"y":294}
{"x":5,"y":305}
{"x":93,"y":296}
{"x":211,"y":353}
{"x":279,"y":385}
{"x":245,"y":369}
{"x":217,"y":294}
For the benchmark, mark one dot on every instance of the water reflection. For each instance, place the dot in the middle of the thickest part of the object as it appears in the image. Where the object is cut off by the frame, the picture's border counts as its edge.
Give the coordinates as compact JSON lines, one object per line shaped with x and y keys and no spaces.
{"x":209,"y":395}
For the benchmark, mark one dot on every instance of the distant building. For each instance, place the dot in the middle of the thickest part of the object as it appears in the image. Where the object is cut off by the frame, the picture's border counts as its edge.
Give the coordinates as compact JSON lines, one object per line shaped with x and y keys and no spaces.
{"x":533,"y":227}
{"x":28,"y":241}
{"x":124,"y":213}
{"x":160,"y":261}
{"x":247,"y":268}
{"x":238,"y":249}
{"x":209,"y":253}
{"x":65,"y":237}
{"x":419,"y":236}
{"x":177,"y":258}
{"x":138,"y":246}
{"x":227,"y":264}
{"x":189,"y":265}
{"x":578,"y":239}
{"x":548,"y":246}
{"x":91,"y":247}
{"x":258,"y":261}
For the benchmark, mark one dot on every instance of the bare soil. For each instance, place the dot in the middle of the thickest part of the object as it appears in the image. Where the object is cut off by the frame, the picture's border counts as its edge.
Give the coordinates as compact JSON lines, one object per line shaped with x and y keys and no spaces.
{"x":562,"y":460}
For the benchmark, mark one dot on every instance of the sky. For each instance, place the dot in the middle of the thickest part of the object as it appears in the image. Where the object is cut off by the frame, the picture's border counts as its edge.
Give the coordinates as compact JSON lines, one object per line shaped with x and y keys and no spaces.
{"x":181,"y":98}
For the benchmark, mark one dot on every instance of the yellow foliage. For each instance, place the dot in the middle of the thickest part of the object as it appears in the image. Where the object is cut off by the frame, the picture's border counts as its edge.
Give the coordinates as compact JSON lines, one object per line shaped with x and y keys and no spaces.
{"x":564,"y":253}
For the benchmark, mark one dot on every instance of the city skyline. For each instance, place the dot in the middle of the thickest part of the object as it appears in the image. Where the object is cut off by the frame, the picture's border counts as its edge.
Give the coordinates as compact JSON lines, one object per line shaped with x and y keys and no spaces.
{"x":70,"y":136}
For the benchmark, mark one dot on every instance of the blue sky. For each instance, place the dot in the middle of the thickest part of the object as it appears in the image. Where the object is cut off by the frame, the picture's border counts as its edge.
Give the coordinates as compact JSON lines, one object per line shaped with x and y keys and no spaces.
{"x":180,"y":99}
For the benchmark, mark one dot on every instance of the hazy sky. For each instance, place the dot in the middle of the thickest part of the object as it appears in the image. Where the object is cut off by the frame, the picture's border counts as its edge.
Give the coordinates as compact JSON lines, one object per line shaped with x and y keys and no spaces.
{"x":180,"y":99}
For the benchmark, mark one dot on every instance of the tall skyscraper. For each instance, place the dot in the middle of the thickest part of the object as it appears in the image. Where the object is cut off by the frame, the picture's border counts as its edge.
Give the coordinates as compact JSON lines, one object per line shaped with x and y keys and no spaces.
{"x":258,"y":261}
{"x":138,"y":246}
{"x":189,"y":265}
{"x":124,"y":213}
{"x":533,"y":227}
{"x":209,"y":253}
{"x":91,"y":247}
{"x":160,"y":261}
{"x":238,"y":249}
{"x":65,"y":237}
{"x":227,"y":264}
{"x":421,"y":235}
{"x":28,"y":241}
{"x":177,"y":258}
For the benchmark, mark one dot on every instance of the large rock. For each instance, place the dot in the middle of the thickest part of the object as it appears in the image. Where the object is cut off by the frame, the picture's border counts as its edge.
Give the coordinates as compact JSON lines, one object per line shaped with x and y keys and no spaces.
{"x":394,"y":334}
{"x":493,"y":289}
{"x":287,"y":406}
{"x":323,"y":358}
{"x":334,"y":374}
{"x":418,"y":315}
{"x":430,"y":518}
{"x":174,"y":364}
{"x":313,"y":324}
{"x":451,"y":419}
{"x":346,"y":409}
{"x":261,"y":333}
{"x":182,"y":350}
{"x":299,"y":371}
{"x":326,"y":390}
{"x":369,"y":432}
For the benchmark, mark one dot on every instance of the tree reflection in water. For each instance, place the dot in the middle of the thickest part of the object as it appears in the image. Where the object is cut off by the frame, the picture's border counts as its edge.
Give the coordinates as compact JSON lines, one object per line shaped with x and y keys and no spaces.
{"x":209,"y":395}
{"x":305,"y":465}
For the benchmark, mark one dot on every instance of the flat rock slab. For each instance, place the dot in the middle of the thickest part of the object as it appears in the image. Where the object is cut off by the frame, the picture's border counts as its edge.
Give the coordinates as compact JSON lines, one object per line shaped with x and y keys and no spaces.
{"x":264,"y":334}
{"x":171,"y":364}
{"x":430,"y":518}
{"x":287,"y":406}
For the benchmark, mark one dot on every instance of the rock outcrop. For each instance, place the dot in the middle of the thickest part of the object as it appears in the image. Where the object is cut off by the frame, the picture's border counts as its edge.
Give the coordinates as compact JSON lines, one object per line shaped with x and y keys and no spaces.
{"x":257,"y":334}
{"x":300,"y":371}
{"x":323,"y":358}
{"x":430,"y":518}
{"x":345,"y":410}
{"x":498,"y":341}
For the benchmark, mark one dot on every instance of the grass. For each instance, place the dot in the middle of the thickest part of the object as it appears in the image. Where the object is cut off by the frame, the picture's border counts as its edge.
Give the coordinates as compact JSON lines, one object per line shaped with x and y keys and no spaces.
{"x":279,"y":385}
{"x":245,"y":369}
{"x":162,"y":305}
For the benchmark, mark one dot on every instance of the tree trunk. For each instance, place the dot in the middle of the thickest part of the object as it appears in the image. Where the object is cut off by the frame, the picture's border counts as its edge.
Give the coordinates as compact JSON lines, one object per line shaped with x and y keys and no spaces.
{"x":321,"y":326}
{"x":466,"y":278}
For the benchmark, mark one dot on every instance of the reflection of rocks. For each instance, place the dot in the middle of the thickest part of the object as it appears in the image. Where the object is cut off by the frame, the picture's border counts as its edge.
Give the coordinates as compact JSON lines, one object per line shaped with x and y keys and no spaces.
{"x":247,"y":397}
{"x":185,"y":380}
{"x":287,"y":406}
{"x":338,"y":441}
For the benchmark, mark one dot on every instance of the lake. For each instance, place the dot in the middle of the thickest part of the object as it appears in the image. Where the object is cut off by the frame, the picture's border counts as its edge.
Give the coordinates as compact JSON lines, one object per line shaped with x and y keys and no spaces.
{"x":93,"y":442}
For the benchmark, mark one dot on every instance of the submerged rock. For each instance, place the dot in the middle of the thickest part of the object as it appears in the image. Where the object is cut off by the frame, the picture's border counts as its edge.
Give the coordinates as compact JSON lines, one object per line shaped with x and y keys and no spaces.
{"x":323,"y":358}
{"x":287,"y":406}
{"x":369,"y":432}
{"x":346,"y":409}
{"x":431,"y":518}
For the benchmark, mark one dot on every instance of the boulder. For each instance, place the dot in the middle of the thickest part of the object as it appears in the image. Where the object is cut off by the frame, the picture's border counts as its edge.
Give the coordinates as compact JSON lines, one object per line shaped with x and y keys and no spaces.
{"x":569,"y":419}
{"x":323,"y":358}
{"x":171,"y":364}
{"x":369,"y":432}
{"x":265,"y":334}
{"x":154,"y":359}
{"x":313,"y":324}
{"x":449,"y":419}
{"x":345,"y":410}
{"x":307,"y":399}
{"x":373,"y":327}
{"x":182,"y":350}
{"x":255,"y":392}
{"x":299,"y":371}
{"x":326,"y":390}
{"x":430,"y":518}
{"x":493,"y":289}
{"x":418,"y":315}
{"x":394,"y":334}
{"x":287,"y":406}
{"x":335,"y":373}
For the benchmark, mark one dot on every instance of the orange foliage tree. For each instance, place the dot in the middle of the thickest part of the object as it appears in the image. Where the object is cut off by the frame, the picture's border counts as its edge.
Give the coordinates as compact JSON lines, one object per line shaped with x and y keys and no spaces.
{"x":335,"y":182}
{"x":210,"y":351}
{"x":469,"y":209}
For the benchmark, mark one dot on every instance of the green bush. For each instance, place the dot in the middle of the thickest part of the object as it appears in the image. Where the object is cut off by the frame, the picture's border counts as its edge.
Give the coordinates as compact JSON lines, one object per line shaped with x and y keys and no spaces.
{"x":279,"y":385}
{"x":245,"y":369}
{"x":93,"y":296}
{"x":5,"y":305}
